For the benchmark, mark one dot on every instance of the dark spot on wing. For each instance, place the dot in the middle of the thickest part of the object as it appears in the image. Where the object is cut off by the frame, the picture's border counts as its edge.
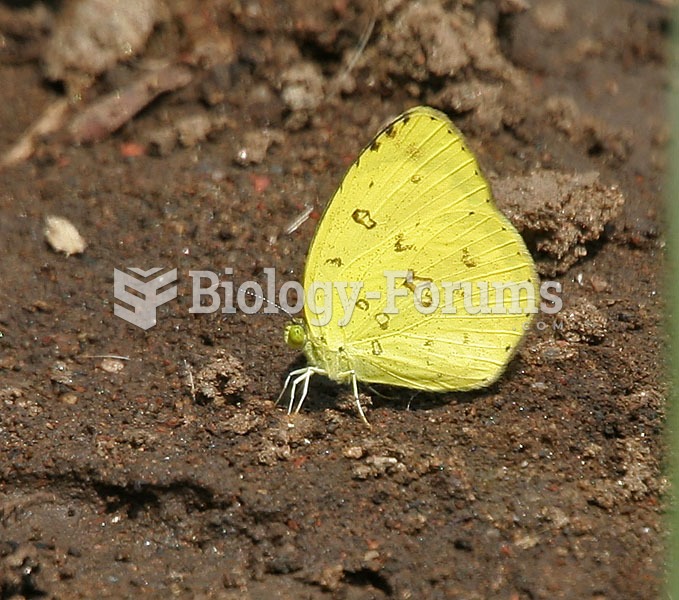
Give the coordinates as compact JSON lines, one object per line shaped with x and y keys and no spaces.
{"x":399,"y":246}
{"x":382,"y":320}
{"x":362,"y":217}
{"x":412,"y":281}
{"x":467,"y":259}
{"x":362,"y":304}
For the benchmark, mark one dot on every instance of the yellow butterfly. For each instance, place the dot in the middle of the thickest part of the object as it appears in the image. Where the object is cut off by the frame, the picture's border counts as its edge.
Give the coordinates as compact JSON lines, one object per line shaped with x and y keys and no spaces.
{"x":413,"y":278}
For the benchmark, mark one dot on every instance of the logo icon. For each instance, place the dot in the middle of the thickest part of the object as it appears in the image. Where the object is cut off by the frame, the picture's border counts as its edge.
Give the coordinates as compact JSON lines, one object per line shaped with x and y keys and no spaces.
{"x":147,"y":296}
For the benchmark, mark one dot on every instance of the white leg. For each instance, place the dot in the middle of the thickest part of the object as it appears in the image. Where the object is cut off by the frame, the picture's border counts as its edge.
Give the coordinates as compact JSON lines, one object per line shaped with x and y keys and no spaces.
{"x":305,"y":390}
{"x":285,"y":387}
{"x":303,"y":377}
{"x":306,"y":377}
{"x":358,"y":402}
{"x":296,"y":377}
{"x":291,"y":374}
{"x":354,"y":385}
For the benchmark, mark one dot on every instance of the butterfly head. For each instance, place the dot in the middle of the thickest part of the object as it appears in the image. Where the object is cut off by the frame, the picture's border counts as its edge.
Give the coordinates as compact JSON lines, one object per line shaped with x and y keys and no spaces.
{"x":295,"y":334}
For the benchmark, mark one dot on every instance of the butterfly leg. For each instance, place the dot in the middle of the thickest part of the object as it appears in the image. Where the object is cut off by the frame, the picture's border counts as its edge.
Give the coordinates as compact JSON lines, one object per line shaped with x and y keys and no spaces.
{"x":294,"y":379}
{"x":287,"y":383}
{"x":358,"y":402}
{"x":305,"y":377}
{"x":354,"y":385}
{"x":298,"y":375}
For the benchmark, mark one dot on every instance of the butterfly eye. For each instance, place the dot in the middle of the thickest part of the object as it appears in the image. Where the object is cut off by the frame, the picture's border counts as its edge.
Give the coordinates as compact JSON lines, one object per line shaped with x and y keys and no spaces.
{"x":295,"y":335}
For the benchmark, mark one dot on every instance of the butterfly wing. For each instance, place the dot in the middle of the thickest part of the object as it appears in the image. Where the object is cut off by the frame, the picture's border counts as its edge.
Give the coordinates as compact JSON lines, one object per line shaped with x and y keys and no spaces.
{"x":414,"y":213}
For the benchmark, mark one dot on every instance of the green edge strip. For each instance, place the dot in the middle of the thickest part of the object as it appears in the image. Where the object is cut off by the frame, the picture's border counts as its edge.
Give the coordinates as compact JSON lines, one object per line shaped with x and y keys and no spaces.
{"x":672,"y":287}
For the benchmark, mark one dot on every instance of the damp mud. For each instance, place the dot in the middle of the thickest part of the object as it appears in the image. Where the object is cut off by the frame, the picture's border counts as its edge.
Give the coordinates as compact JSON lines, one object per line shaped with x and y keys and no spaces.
{"x":154,"y":463}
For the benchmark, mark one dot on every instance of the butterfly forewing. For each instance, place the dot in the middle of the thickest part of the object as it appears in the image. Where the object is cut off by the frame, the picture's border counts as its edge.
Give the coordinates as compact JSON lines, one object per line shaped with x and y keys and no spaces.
{"x":414,"y":204}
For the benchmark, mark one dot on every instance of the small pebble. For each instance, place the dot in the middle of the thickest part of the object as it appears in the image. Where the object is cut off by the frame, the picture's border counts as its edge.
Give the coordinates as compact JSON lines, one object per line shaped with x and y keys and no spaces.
{"x":112,"y":365}
{"x":599,"y":284}
{"x":69,"y":398}
{"x":353,"y":452}
{"x":62,"y":236}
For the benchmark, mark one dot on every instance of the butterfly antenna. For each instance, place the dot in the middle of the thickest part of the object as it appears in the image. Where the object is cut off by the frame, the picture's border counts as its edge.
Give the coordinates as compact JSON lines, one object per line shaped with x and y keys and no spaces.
{"x":270,"y":302}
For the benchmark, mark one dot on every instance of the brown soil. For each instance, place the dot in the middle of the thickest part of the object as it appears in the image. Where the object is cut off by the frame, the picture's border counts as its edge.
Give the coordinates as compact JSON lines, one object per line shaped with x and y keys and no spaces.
{"x":176,"y":475}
